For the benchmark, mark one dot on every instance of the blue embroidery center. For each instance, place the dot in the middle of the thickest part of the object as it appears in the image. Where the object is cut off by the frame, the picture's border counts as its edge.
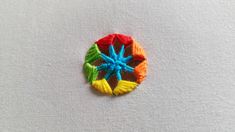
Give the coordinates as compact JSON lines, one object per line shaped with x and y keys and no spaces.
{"x":115,"y":63}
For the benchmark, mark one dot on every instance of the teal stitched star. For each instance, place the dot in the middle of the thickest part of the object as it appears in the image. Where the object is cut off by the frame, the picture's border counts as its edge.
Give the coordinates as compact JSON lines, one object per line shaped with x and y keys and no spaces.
{"x":115,"y":63}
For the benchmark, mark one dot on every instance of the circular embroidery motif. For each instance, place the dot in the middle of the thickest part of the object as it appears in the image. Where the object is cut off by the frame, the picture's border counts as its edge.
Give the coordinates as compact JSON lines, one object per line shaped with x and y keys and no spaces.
{"x":115,"y":56}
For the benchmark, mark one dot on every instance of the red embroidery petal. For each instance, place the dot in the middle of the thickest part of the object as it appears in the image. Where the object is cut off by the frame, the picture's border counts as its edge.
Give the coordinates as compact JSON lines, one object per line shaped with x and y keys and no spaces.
{"x":123,"y":39}
{"x":104,"y":42}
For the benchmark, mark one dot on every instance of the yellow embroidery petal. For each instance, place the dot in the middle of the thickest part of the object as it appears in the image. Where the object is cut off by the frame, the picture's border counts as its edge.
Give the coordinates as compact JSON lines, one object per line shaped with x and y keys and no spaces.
{"x":124,"y":87}
{"x":102,"y":86}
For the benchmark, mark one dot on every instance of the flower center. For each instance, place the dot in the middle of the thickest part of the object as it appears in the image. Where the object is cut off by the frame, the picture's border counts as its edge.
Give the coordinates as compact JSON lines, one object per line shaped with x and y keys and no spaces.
{"x":115,"y":63}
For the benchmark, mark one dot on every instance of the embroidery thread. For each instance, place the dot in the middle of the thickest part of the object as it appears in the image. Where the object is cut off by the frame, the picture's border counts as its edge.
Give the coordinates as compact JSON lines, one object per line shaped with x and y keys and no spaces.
{"x":115,"y":64}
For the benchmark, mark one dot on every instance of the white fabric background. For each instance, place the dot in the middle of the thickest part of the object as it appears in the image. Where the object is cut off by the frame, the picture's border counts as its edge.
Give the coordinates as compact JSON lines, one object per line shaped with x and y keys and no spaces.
{"x":191,"y":75}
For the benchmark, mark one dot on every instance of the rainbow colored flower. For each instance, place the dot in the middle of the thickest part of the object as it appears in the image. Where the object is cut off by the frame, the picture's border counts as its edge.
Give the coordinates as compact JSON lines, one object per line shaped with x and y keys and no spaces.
{"x":115,"y":64}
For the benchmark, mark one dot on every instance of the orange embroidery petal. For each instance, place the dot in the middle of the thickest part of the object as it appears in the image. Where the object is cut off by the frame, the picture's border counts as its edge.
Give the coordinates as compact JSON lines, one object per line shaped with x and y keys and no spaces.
{"x":140,"y":71}
{"x":137,"y":51}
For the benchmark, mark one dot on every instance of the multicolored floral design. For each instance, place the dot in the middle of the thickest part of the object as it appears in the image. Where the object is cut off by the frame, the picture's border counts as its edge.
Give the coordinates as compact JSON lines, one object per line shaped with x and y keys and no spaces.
{"x":115,"y":64}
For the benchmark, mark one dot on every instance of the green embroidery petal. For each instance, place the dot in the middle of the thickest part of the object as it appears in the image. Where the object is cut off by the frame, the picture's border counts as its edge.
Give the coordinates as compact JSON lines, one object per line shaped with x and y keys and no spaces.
{"x":92,"y":54}
{"x":91,"y":72}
